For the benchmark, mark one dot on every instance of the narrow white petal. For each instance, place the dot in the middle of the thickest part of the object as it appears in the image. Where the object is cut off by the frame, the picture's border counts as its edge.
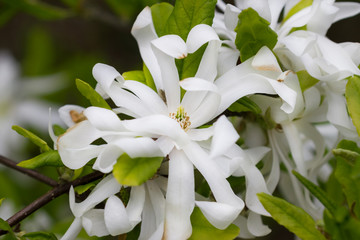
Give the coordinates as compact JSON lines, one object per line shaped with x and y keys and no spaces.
{"x":224,"y":137}
{"x":265,"y":60}
{"x":73,"y":230}
{"x":144,"y":32}
{"x":256,"y":226}
{"x":241,"y":222}
{"x":231,"y":16}
{"x":346,"y":9}
{"x":218,"y":214}
{"x":139,"y":147}
{"x":147,"y":95}
{"x":106,"y":188}
{"x":105,"y":74}
{"x":207,"y":68}
{"x":94,"y":224}
{"x":171,"y":45}
{"x":206,"y":111}
{"x":200,"y":134}
{"x":107,"y":158}
{"x":180,"y":197}
{"x":198,"y":84}
{"x":199,"y":35}
{"x":103,"y":119}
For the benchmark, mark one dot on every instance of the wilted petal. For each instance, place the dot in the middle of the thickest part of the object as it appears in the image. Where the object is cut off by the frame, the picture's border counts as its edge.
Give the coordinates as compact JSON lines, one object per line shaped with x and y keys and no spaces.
{"x":180,"y":197}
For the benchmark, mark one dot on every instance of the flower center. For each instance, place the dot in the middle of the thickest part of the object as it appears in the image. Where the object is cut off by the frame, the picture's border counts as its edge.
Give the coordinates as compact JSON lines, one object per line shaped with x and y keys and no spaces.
{"x":181,"y":117}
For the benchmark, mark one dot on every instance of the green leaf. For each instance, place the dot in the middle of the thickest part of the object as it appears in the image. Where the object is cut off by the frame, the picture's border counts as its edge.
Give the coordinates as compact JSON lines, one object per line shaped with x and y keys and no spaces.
{"x":135,"y":75}
{"x":5,"y":226}
{"x":6,"y":13}
{"x":160,"y":14}
{"x":298,"y":7}
{"x":202,"y":229}
{"x":189,"y":65}
{"x":32,"y":137}
{"x":348,"y":229}
{"x":189,"y":13}
{"x":244,"y":104}
{"x":317,"y":192}
{"x":306,"y":80}
{"x":83,"y":188}
{"x":40,"y":236}
{"x":348,"y":175}
{"x":348,"y":155}
{"x":135,"y":171}
{"x":58,"y":130}
{"x":149,"y":79}
{"x":89,"y":93}
{"x":1,"y":200}
{"x":252,"y":33}
{"x":292,"y":217}
{"x":352,"y":94}
{"x":49,"y":158}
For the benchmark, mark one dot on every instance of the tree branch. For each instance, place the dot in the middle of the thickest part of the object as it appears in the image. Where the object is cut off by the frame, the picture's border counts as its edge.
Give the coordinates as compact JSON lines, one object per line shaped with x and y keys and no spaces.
{"x":49,"y":196}
{"x":34,"y":174}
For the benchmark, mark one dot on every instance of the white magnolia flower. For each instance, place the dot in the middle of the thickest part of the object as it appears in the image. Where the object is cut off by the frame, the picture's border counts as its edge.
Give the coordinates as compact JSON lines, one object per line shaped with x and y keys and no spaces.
{"x":19,"y":104}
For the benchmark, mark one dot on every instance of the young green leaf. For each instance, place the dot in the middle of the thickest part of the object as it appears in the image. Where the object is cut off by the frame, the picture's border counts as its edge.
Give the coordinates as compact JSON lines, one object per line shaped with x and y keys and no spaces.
{"x":317,"y":192}
{"x":32,"y":137}
{"x":149,"y":79}
{"x":202,"y":229}
{"x":244,"y":104}
{"x":89,"y":93}
{"x":252,"y":33}
{"x":298,"y":7}
{"x":352,"y":94}
{"x":189,"y":65}
{"x":306,"y":80}
{"x":5,"y":226}
{"x":49,"y":158}
{"x":295,"y":219}
{"x":83,"y":188}
{"x":1,"y":200}
{"x":160,"y":13}
{"x":135,"y":171}
{"x":187,"y":14}
{"x":39,"y":236}
{"x":348,"y":155}
{"x":58,"y":130}
{"x":135,"y":75}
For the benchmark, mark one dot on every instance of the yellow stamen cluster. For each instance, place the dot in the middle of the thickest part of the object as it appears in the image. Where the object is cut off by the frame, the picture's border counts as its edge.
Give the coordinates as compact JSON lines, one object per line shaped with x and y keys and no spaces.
{"x":181,"y":117}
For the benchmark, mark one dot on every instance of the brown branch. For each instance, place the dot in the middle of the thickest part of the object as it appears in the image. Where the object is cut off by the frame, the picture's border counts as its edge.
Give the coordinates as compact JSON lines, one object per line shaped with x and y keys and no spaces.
{"x":34,"y":174}
{"x":49,"y":196}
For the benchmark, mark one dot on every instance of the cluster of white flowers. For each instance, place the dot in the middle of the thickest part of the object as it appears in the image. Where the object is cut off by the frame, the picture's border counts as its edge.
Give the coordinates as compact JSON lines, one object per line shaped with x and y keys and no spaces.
{"x":169,"y":122}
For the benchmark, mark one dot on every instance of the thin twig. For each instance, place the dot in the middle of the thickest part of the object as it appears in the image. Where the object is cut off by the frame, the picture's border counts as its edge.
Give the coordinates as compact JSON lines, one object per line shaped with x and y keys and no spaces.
{"x":34,"y":174}
{"x":49,"y":196}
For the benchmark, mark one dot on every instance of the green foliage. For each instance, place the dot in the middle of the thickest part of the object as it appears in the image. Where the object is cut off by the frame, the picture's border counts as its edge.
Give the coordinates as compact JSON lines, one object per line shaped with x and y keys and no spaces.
{"x":348,"y":229}
{"x":306,"y":80}
{"x":135,"y":171}
{"x":189,"y":65}
{"x":129,"y":9}
{"x":5,"y":226}
{"x":32,"y":137}
{"x":160,"y":14}
{"x":252,"y":33}
{"x":40,"y":53}
{"x":317,"y":192}
{"x":39,"y":236}
{"x":187,"y":14}
{"x":149,"y":79}
{"x":89,"y":93}
{"x":135,"y":75}
{"x":352,"y":95}
{"x":298,"y":7}
{"x":292,"y":217}
{"x":83,"y":188}
{"x":1,"y":200}
{"x":6,"y":13}
{"x":58,"y":130}
{"x":39,"y":9}
{"x":202,"y":229}
{"x":347,"y":172}
{"x":49,"y":158}
{"x":245,"y":104}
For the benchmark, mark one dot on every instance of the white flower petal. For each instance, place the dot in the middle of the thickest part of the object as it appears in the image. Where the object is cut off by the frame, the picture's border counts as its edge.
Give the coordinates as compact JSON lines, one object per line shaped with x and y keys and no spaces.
{"x":106,"y":188}
{"x":224,"y":137}
{"x":103,"y":119}
{"x":64,"y":113}
{"x":180,"y":197}
{"x":158,"y":125}
{"x":107,"y":158}
{"x":199,"y":35}
{"x":144,"y":32}
{"x":265,"y":60}
{"x":200,"y":134}
{"x":105,"y":74}
{"x":198,"y":84}
{"x":218,"y":214}
{"x":206,"y":111}
{"x":346,"y":9}
{"x":171,"y":45}
{"x":255,"y":225}
{"x":94,"y":224}
{"x":231,"y":16}
{"x":73,"y":230}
